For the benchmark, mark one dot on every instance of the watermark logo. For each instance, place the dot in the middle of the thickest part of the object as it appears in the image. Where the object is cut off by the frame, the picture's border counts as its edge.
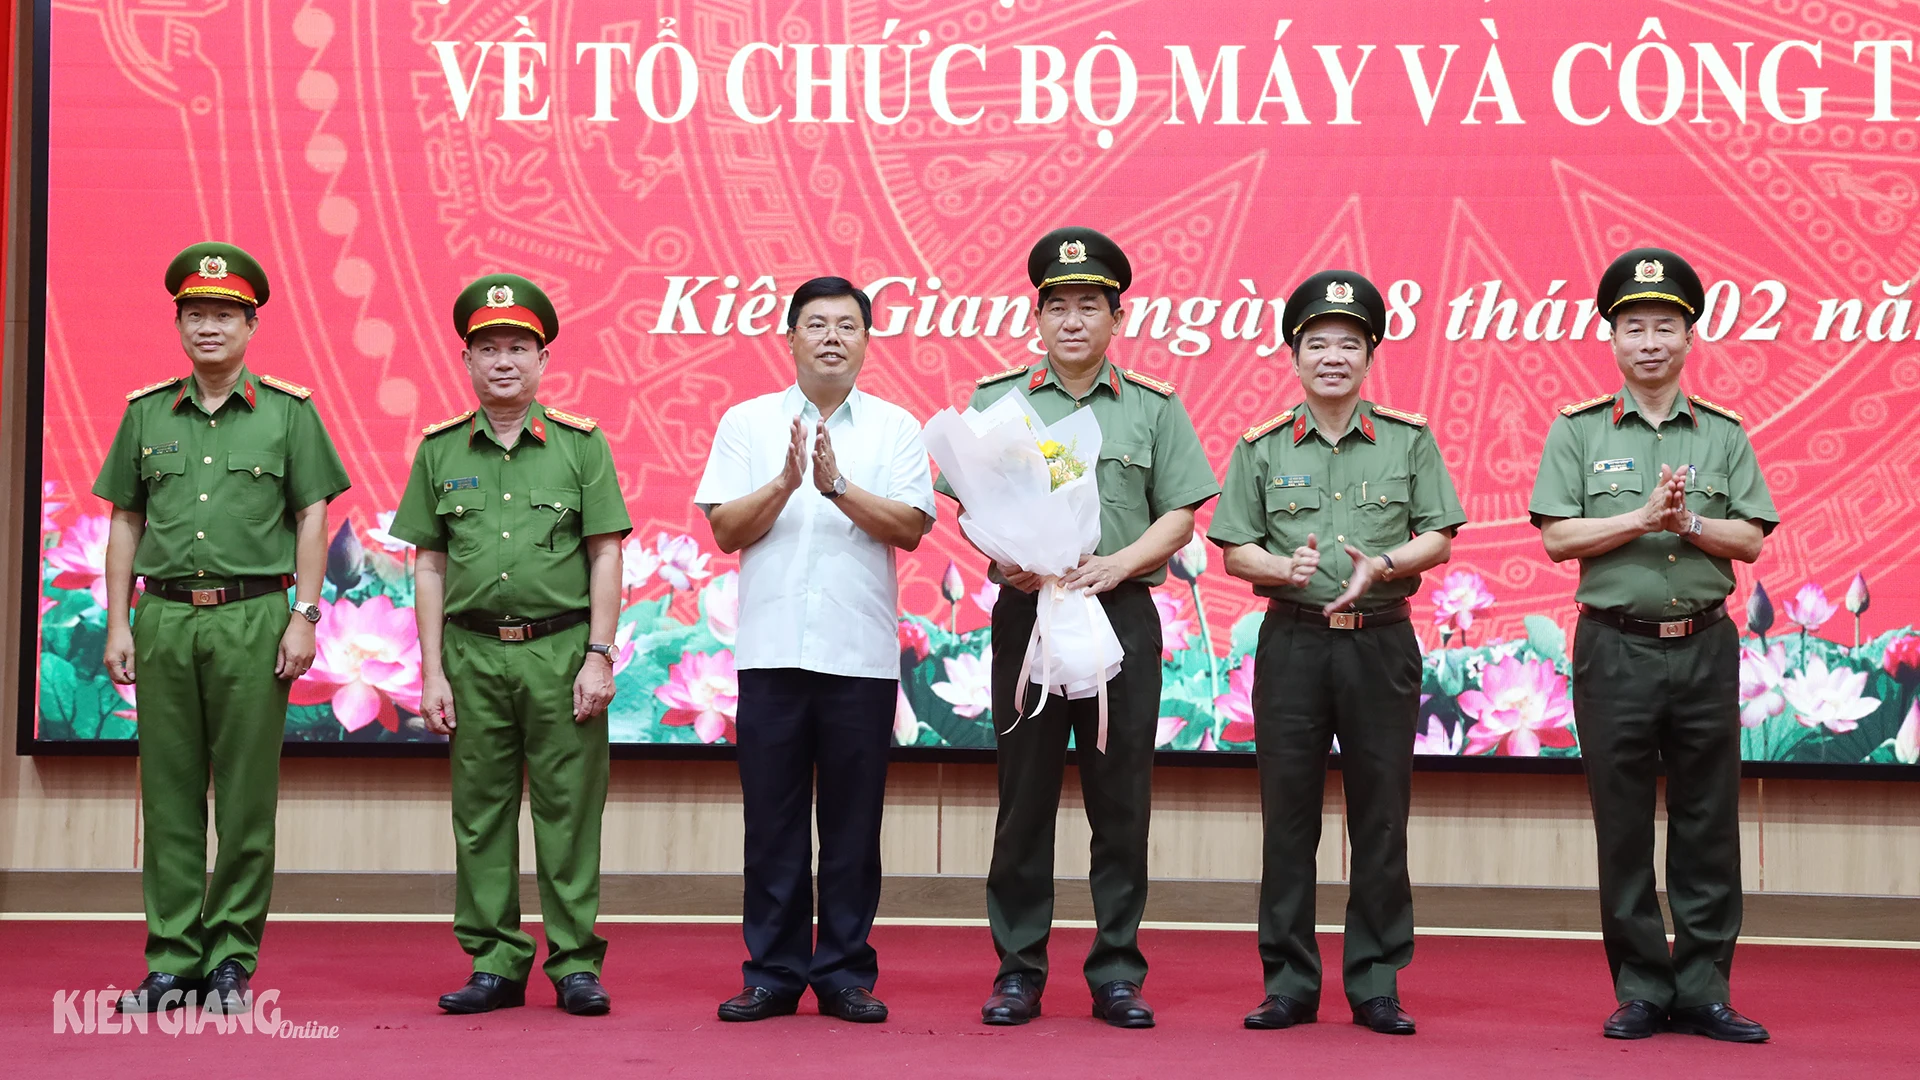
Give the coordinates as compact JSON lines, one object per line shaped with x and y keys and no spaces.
{"x":95,"y":1012}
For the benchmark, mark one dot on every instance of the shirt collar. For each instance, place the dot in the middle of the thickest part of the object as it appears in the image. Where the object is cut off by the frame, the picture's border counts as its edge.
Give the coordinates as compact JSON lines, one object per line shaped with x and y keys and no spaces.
{"x":1107,"y":378}
{"x":1624,"y":405}
{"x":795,"y":403}
{"x":243,"y":391}
{"x":535,"y":425}
{"x":1361,"y":421}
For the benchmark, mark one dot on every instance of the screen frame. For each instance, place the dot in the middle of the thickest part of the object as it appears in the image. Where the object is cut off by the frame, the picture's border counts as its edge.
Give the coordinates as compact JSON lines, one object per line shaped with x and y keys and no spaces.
{"x":28,"y":744}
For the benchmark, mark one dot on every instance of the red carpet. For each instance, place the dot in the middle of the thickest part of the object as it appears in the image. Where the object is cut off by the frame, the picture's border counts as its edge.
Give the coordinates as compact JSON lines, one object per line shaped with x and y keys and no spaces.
{"x":1502,"y":1008}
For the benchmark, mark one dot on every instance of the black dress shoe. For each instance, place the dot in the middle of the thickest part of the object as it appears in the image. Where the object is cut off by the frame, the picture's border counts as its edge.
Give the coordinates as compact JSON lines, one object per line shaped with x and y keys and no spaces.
{"x":1717,"y":1021}
{"x":1635,"y":1020}
{"x":1119,"y":1003}
{"x":582,"y":995}
{"x":1384,"y":1015}
{"x":228,"y":990}
{"x":159,"y":992}
{"x":485,"y":992}
{"x":1015,"y":1000}
{"x":757,"y":1003}
{"x":854,"y":1004}
{"x":1280,"y":1011}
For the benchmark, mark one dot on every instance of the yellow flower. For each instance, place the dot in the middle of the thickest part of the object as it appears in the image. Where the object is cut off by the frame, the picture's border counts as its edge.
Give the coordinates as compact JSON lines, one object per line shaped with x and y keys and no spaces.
{"x":1052,"y":450}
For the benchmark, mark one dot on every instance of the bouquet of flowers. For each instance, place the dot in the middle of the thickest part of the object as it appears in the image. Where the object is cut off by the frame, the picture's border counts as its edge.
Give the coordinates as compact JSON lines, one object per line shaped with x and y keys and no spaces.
{"x":1032,"y":502}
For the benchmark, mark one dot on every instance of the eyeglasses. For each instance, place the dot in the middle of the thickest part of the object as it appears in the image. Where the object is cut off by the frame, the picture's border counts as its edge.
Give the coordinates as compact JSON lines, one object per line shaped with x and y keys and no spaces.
{"x":820,"y":331}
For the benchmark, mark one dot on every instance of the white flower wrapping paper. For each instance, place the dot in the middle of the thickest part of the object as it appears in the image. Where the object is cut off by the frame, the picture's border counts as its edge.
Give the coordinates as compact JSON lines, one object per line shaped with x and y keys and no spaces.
{"x":992,"y":459}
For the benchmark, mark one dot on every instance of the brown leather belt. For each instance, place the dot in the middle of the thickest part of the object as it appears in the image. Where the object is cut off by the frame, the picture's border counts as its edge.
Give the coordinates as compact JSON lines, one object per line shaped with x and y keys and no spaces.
{"x":517,"y":629}
{"x":1341,"y":620}
{"x":205,"y":592}
{"x":1670,"y":628}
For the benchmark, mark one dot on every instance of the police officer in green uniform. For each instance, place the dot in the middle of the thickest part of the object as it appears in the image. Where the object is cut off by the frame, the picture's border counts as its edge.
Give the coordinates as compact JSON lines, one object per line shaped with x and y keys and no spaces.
{"x":219,"y":482}
{"x":518,"y":518}
{"x":1333,"y":509}
{"x":1152,"y":476}
{"x":1657,"y":493}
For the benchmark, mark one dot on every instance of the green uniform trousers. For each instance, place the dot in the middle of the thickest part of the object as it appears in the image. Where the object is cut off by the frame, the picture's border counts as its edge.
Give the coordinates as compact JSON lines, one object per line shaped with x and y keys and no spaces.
{"x":513,"y":706}
{"x":1641,"y":703}
{"x":209,"y":704}
{"x":1117,"y":787}
{"x":1311,"y":683}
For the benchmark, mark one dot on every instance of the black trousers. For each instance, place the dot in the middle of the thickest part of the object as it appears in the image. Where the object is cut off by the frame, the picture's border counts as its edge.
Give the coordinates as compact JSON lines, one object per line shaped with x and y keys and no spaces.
{"x":1641,"y":704}
{"x":791,"y":724}
{"x":1311,"y":683}
{"x":1117,"y":787}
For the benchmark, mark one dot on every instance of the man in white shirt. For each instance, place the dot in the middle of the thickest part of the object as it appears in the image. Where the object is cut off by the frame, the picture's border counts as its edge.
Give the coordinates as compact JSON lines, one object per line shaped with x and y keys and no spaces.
{"x":816,"y":486}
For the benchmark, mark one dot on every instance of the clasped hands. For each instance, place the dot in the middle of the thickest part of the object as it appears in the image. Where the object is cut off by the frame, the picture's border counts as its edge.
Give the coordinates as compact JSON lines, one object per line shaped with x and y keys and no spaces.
{"x":826,"y":469}
{"x":1305,"y":562}
{"x":1666,"y":509}
{"x":1095,"y":574}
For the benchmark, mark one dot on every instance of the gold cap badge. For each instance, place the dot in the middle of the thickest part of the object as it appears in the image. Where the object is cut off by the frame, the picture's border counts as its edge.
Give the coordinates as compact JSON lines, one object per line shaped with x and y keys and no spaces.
{"x":213,"y":266}
{"x":500,"y":296}
{"x":1340,"y":292}
{"x":1073,"y":251}
{"x":1649,"y":272}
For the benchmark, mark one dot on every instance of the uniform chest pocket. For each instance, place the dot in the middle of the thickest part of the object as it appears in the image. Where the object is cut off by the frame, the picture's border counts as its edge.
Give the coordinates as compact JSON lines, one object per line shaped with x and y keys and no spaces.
{"x":254,"y":488}
{"x":1292,"y":513}
{"x":1707,"y":493}
{"x":1123,"y":471}
{"x":464,"y":512}
{"x":556,"y":518}
{"x":167,"y":494}
{"x":1384,"y":522}
{"x":1610,"y":493}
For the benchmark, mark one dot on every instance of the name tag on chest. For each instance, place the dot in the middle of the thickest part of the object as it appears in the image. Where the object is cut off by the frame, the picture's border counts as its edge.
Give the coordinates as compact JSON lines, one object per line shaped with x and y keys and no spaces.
{"x":163,"y":448}
{"x":460,"y":484}
{"x":1292,"y":481}
{"x":1619,"y":464}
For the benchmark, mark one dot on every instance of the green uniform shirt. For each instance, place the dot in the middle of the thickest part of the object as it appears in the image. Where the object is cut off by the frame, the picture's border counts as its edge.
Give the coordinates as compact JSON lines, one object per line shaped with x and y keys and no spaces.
{"x":513,"y":522}
{"x":219,"y":489}
{"x":1601,"y":459}
{"x":1375,"y":486}
{"x":1151,"y":461}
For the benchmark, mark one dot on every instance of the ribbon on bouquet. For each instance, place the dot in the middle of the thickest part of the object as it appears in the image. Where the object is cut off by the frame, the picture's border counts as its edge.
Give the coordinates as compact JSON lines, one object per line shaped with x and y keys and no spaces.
{"x":1042,"y":641}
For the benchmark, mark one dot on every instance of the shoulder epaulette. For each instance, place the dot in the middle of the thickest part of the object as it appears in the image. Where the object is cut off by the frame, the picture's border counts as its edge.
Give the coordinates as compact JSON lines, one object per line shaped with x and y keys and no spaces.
{"x":1264,"y":426}
{"x":572,"y":420}
{"x":285,"y":387}
{"x":1165,"y":389}
{"x":1721,"y":409}
{"x":989,"y":380}
{"x":1579,"y":407}
{"x":151,"y":388}
{"x":1413,"y":418}
{"x":451,"y":421}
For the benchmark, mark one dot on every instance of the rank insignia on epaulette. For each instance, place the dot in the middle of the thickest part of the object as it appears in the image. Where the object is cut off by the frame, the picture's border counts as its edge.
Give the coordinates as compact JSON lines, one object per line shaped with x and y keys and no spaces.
{"x":989,"y":380}
{"x":1413,"y":418}
{"x":578,"y":423}
{"x":1582,"y":406}
{"x":1264,"y":426}
{"x":151,"y":388}
{"x":451,"y":421}
{"x":285,"y":387}
{"x":1721,"y":409}
{"x":1164,"y":389}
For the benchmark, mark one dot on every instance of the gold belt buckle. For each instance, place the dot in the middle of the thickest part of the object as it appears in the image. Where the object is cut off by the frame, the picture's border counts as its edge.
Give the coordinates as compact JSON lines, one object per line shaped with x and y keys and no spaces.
{"x":208,"y":597}
{"x":1676,"y":629}
{"x":1344,"y":620}
{"x":513,"y":633}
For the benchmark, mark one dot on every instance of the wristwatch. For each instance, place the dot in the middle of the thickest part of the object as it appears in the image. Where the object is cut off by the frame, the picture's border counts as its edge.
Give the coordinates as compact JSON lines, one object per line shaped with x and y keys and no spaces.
{"x":1694,"y":528}
{"x":838,"y":489}
{"x":1388,"y":559}
{"x":309,"y":612}
{"x":603,"y":650}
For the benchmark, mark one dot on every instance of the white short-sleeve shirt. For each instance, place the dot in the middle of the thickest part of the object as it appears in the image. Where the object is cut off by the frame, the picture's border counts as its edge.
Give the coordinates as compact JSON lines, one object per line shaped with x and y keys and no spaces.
{"x":816,"y":592}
